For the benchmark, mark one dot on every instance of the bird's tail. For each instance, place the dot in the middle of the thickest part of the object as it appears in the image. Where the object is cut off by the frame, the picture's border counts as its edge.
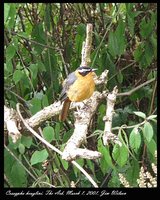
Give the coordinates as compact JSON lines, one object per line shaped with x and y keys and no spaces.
{"x":64,"y":110}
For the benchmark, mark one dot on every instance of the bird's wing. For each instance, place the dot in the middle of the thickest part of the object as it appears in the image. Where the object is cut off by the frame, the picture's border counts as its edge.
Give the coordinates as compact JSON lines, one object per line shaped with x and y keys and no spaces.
{"x":66,"y":84}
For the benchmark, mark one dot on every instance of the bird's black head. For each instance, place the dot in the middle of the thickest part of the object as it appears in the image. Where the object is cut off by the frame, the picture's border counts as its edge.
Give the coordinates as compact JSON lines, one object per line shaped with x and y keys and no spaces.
{"x":83,"y":70}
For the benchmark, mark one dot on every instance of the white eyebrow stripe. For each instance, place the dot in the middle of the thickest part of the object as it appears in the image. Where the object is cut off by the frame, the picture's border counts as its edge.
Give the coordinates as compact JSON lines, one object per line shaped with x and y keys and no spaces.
{"x":84,"y":70}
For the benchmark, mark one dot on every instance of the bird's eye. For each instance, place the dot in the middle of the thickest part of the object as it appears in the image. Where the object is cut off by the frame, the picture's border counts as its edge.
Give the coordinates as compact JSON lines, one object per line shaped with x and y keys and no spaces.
{"x":84,"y":70}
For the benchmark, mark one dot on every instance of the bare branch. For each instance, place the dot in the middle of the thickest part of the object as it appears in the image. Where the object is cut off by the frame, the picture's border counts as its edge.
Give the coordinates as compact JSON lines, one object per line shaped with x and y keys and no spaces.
{"x":47,"y":112}
{"x":102,"y":79}
{"x":136,"y":88}
{"x":83,"y":117}
{"x":108,"y":135}
{"x":11,"y":120}
{"x":86,"y":47}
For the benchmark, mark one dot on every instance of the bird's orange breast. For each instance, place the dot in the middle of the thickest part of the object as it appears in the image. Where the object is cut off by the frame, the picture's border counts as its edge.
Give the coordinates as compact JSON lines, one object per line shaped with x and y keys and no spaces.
{"x":82,"y":88}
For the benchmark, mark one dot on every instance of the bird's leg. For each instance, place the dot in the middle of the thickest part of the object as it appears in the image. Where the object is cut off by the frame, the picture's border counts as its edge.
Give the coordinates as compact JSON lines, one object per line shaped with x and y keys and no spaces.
{"x":86,"y":104}
{"x":79,"y":106}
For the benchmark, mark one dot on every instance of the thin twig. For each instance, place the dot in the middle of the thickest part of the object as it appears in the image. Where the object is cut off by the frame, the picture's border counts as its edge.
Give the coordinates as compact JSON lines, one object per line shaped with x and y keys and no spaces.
{"x":121,"y":70}
{"x":129,"y":127}
{"x":106,"y":179}
{"x":136,"y":88}
{"x":7,"y":181}
{"x":63,"y":61}
{"x":35,"y":42}
{"x":30,"y":166}
{"x":19,"y":97}
{"x":52,"y":186}
{"x":153,"y":97}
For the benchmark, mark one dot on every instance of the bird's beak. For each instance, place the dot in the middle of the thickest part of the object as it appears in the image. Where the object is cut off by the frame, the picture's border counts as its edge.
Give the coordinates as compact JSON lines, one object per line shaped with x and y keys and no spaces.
{"x":94,"y":69}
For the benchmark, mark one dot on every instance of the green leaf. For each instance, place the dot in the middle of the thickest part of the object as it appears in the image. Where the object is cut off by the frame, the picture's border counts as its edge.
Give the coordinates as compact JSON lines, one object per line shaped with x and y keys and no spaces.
{"x":135,"y":139}
{"x":41,"y":66}
{"x":39,"y":36}
{"x":131,"y":23}
{"x":69,"y":49}
{"x":120,"y":30}
{"x":138,"y":53}
{"x":47,"y":18}
{"x":105,"y":161}
{"x":97,"y":39}
{"x":56,"y":161}
{"x":133,"y":173}
{"x":56,"y":19}
{"x":145,"y":28}
{"x":153,"y":41}
{"x":78,"y":44}
{"x":26,"y":141}
{"x":34,"y":70}
{"x":143,"y":62}
{"x":9,"y":66}
{"x":13,"y":170}
{"x":113,"y":44}
{"x":39,"y":156}
{"x":45,"y":102}
{"x":101,"y":111}
{"x":14,"y":145}
{"x":151,"y":117}
{"x":117,"y":43}
{"x":81,"y":163}
{"x":149,"y":51}
{"x":56,"y":170}
{"x":140,"y":114}
{"x":15,"y":42}
{"x":6,"y":11}
{"x":90,"y":165}
{"x":120,"y":77}
{"x":67,"y":135}
{"x":64,"y":163}
{"x":81,"y":29}
{"x":36,"y":105}
{"x":17,"y":76}
{"x":105,"y":153}
{"x":8,"y":161}
{"x":18,"y":176}
{"x":21,"y":148}
{"x":151,"y":146}
{"x":148,"y":131}
{"x":57,"y":131}
{"x":48,"y":133}
{"x":114,"y":180}
{"x":10,"y":52}
{"x":38,"y":95}
{"x":120,"y":154}
{"x":23,"y":34}
{"x":12,"y":14}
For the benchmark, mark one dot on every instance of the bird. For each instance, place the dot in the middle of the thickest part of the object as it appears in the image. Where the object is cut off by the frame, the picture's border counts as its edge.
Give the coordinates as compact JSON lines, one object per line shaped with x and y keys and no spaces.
{"x":78,"y":86}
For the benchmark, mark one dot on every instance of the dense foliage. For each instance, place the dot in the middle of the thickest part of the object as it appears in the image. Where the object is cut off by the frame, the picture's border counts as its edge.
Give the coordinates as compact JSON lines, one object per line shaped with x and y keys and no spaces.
{"x":42,"y":44}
